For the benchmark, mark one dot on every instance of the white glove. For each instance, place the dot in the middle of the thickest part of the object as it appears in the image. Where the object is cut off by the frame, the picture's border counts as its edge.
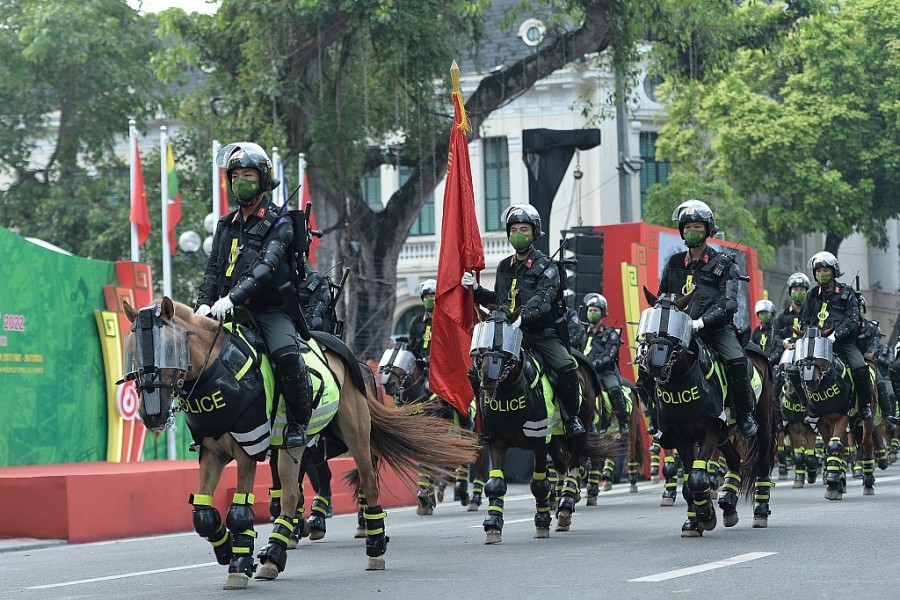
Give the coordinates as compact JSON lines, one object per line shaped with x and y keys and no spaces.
{"x":221,"y":307}
{"x":831,"y":337}
{"x":468,"y":280}
{"x":697,"y":325}
{"x":202,"y":310}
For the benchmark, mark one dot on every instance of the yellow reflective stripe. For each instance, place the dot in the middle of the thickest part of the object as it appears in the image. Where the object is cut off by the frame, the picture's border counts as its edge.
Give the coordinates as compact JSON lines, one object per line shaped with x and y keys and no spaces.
{"x":762,"y":341}
{"x":201,"y":500}
{"x":496,"y":473}
{"x":689,"y":284}
{"x":225,"y":537}
{"x":274,"y":493}
{"x":539,"y":476}
{"x":587,"y":346}
{"x":823,"y":314}
{"x":242,"y":498}
{"x":232,"y":257}
{"x":699,"y":464}
{"x":244,"y":369}
{"x":426,"y":337}
{"x":512,"y":295}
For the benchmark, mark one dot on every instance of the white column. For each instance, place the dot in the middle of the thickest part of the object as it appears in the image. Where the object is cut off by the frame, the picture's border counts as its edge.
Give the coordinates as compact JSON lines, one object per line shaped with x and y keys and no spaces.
{"x":216,"y":188}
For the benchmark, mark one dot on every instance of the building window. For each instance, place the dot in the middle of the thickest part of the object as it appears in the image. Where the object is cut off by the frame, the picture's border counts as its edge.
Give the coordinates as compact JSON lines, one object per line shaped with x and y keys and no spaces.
{"x":404,"y":323}
{"x":424,"y":223}
{"x":371,"y":189}
{"x":652,"y":171}
{"x":496,"y":182}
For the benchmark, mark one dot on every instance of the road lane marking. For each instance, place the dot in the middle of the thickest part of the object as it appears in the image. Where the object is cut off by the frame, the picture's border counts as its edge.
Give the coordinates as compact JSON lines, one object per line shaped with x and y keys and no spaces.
{"x":716,"y":564}
{"x":122,"y":576}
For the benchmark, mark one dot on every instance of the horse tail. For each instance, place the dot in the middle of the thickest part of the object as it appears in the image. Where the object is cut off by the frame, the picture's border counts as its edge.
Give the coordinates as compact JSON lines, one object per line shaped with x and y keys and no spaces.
{"x":411,"y":443}
{"x":636,"y":448}
{"x":600,"y":447}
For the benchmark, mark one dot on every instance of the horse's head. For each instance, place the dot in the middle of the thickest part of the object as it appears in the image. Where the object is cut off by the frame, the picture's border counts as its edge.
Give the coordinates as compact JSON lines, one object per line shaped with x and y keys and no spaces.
{"x":400,"y":372}
{"x":496,"y":347}
{"x":814,"y":356}
{"x":157,"y":360}
{"x":664,"y":334}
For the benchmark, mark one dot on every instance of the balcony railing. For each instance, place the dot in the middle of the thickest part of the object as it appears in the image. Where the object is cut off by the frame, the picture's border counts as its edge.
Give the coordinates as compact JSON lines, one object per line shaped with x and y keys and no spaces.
{"x":419,"y":253}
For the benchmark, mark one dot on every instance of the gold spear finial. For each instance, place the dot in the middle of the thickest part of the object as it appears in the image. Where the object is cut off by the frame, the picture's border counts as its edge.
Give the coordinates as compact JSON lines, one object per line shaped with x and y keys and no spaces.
{"x":454,"y":76}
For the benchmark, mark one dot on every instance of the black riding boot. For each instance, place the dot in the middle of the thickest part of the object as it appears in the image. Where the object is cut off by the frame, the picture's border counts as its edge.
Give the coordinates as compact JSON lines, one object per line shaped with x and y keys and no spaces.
{"x":617,"y":399}
{"x":567,"y":400}
{"x":297,"y":395}
{"x":742,"y":394}
{"x":863,"y":384}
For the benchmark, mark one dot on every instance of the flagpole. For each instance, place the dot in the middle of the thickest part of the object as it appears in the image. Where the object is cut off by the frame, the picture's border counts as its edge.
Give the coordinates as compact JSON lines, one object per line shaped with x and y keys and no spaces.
{"x":216,"y":185}
{"x":164,"y":196}
{"x":132,"y":159}
{"x":277,"y":195}
{"x":301,"y":161}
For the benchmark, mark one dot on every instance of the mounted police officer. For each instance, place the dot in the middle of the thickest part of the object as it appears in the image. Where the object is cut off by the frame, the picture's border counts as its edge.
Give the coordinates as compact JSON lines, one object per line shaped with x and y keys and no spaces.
{"x":834,"y":305}
{"x":765,"y":336}
{"x":420,"y":329}
{"x":789,"y":319}
{"x":250,"y":267}
{"x":602,"y":352}
{"x":714,"y":277}
{"x":530,"y":280}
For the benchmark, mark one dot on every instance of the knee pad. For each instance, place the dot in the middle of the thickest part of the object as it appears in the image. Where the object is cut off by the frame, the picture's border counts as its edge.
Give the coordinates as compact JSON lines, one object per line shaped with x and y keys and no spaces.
{"x":240,"y":517}
{"x":698,"y":480}
{"x":540,"y":488}
{"x":496,"y":487}
{"x":207,"y":520}
{"x":834,"y":447}
{"x":288,"y":362}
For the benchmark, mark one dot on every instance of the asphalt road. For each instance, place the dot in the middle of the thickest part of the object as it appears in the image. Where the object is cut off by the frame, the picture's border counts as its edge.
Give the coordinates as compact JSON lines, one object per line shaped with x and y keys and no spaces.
{"x":626,"y":547}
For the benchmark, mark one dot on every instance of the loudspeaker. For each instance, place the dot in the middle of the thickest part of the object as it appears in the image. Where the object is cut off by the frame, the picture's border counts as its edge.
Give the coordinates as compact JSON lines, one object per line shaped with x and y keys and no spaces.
{"x":587,"y":275}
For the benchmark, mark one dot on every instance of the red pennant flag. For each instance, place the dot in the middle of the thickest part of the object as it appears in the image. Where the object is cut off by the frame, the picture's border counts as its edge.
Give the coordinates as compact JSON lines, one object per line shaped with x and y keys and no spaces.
{"x":140,"y":214}
{"x":223,"y":193}
{"x":312,"y":220}
{"x":173,"y":206}
{"x":461,"y":250}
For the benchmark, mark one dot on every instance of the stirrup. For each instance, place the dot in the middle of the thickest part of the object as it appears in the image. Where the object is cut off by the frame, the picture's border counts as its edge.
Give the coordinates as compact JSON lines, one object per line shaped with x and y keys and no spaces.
{"x":573,"y":427}
{"x":294,"y":436}
{"x":865,"y":412}
{"x":747,"y":425}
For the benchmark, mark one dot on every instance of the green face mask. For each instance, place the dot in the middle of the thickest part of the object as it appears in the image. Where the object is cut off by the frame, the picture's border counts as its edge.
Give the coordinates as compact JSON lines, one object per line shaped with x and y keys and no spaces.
{"x":693,"y":238}
{"x":520,"y":241}
{"x":824,"y":278}
{"x":593,"y":317}
{"x":244,"y":190}
{"x":798,"y":297}
{"x":765,"y":318}
{"x":428,"y":303}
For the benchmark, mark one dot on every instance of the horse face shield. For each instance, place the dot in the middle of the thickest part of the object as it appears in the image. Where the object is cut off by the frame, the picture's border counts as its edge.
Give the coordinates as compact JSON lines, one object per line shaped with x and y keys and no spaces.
{"x":663,"y":334}
{"x":496,"y":344}
{"x":396,"y":361}
{"x":156,"y":358}
{"x":814,"y":355}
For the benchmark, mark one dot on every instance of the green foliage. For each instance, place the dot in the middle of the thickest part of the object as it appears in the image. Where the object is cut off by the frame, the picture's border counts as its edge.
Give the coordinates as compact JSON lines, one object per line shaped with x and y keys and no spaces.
{"x":807,"y":131}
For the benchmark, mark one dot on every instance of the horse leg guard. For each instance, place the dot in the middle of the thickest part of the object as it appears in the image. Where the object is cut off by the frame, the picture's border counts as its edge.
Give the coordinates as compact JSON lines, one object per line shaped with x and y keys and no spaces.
{"x":761,"y":494}
{"x":882,"y":455}
{"x":670,"y":473}
{"x":566,"y":504}
{"x":868,"y":465}
{"x":593,"y":488}
{"x":317,"y":513}
{"x":208,"y":524}
{"x":425,"y":495}
{"x":495,"y":488}
{"x":239,"y":521}
{"x":728,"y":497}
{"x":274,"y":504}
{"x":608,"y":474}
{"x":691,"y":527}
{"x":834,"y":462}
{"x":712,"y":469}
{"x":812,"y":465}
{"x":799,"y":468}
{"x":477,"y":490}
{"x":782,"y":462}
{"x":540,"y":489}
{"x":461,"y":487}
{"x":698,"y":482}
{"x":654,"y":460}
{"x":275,"y":552}
{"x":376,"y":540}
{"x":633,"y":475}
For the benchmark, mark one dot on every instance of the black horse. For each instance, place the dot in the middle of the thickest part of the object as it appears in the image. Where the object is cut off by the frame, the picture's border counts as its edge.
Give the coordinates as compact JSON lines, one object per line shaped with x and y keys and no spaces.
{"x":516,"y":410}
{"x":687,"y":385}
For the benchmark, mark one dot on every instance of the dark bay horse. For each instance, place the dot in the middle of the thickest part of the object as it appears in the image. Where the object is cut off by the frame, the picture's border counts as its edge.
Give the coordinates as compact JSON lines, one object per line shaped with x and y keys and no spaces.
{"x":516,"y":410}
{"x":175,"y":354}
{"x":687,"y":386}
{"x":403,"y":379}
{"x":827,"y":385}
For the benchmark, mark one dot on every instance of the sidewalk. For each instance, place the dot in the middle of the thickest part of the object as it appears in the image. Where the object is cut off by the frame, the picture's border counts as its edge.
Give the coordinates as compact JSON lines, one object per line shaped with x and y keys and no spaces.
{"x":19,"y":544}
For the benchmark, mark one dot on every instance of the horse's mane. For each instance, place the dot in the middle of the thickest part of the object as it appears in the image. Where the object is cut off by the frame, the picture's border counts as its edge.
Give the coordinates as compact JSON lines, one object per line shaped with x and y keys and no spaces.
{"x":186,"y":313}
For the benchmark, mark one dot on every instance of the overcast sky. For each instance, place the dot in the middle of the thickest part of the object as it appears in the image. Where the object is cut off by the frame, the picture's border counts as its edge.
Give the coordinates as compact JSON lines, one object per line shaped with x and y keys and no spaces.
{"x":154,"y":6}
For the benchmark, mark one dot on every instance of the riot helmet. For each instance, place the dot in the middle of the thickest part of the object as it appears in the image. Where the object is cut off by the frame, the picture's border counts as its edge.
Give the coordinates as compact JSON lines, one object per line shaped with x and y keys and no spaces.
{"x":247,"y":155}
{"x":798,"y":280}
{"x":523,"y":213}
{"x":427,"y":288}
{"x":764,"y":306}
{"x":597,"y":300}
{"x":695,"y":211}
{"x":824,"y":259}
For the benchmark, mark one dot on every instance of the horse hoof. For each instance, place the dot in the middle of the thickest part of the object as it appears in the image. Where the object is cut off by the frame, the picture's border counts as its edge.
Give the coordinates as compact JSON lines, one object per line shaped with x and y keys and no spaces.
{"x":732,"y":520}
{"x":562,"y":527}
{"x":691,"y":533}
{"x":316,"y":534}
{"x":266,"y":571}
{"x":654,"y":480}
{"x":591,"y":501}
{"x":563,"y":520}
{"x":421,"y":510}
{"x":709,"y":525}
{"x":867,"y":491}
{"x":293,"y":543}
{"x":236,"y":581}
{"x":375,"y":563}
{"x":440,"y":495}
{"x":541,"y":533}
{"x":473,"y":507}
{"x":798,"y":483}
{"x":632,"y":489}
{"x":760,"y":521}
{"x":464,"y":499}
{"x":782,"y":477}
{"x":667,"y":502}
{"x":607,"y":485}
{"x":360,"y":533}
{"x":492,"y":537}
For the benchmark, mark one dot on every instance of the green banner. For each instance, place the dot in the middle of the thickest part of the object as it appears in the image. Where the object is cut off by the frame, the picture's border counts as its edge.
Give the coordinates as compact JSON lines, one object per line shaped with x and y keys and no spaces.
{"x":52,"y":394}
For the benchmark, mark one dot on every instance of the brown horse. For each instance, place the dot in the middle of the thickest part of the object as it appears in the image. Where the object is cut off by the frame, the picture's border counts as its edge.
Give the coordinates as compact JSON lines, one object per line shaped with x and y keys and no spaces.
{"x":830,"y":401}
{"x":681,"y":375}
{"x":371,"y":432}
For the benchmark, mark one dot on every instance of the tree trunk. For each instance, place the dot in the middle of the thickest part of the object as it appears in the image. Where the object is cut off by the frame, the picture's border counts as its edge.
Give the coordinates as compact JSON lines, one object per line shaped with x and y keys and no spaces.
{"x":833,"y":242}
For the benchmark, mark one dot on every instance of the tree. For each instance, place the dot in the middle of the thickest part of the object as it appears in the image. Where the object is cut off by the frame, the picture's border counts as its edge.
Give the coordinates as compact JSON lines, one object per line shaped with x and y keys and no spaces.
{"x":808,"y":132}
{"x":338,"y":79}
{"x":66,"y":92}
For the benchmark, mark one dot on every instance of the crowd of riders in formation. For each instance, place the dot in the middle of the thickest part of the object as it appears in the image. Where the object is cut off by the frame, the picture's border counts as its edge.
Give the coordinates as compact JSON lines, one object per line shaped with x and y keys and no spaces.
{"x":257,"y":274}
